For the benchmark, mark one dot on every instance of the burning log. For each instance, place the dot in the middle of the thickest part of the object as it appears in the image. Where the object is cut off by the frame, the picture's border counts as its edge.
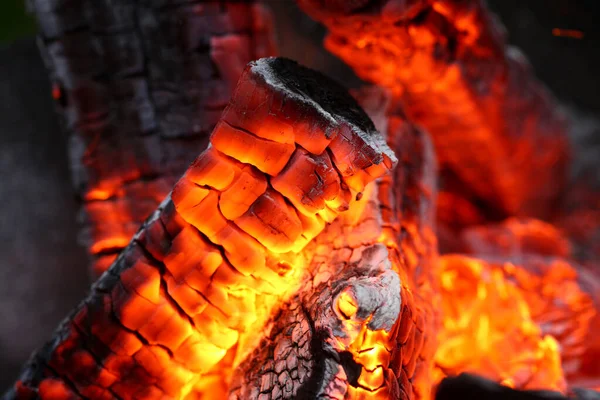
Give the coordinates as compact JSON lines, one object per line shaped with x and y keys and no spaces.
{"x":140,"y":86}
{"x":499,"y":135}
{"x":277,"y":268}
{"x":355,"y":330}
{"x":183,"y":303}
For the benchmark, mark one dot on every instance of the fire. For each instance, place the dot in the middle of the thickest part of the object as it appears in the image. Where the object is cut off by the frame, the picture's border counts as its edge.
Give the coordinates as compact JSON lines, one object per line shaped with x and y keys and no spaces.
{"x":372,"y":350}
{"x":196,"y":291}
{"x":488,"y":328}
{"x":514,"y":308}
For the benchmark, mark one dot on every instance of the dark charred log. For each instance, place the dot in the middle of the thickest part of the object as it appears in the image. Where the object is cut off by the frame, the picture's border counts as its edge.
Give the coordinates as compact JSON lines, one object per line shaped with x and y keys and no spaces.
{"x":140,"y":85}
{"x":450,"y":69}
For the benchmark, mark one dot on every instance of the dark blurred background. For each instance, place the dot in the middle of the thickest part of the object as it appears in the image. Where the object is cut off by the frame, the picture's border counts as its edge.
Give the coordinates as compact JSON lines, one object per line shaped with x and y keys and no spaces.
{"x":14,"y":21}
{"x":43,"y":272}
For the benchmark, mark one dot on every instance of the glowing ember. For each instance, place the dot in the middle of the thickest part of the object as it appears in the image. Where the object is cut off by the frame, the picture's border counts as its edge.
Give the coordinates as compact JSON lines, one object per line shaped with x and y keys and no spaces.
{"x":494,"y":126}
{"x":488,"y":328}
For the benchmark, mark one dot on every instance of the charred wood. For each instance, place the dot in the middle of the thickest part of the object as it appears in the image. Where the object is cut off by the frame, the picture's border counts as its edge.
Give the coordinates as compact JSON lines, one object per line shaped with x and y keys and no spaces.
{"x":140,"y":86}
{"x":194,"y":286}
{"x":377,"y":276}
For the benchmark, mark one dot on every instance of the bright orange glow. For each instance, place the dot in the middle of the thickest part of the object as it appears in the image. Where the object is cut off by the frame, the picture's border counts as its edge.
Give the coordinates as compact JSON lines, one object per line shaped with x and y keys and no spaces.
{"x":372,"y":350}
{"x":452,"y":73}
{"x":257,"y":274}
{"x":347,"y":305}
{"x":515,"y":311}
{"x":498,"y":321}
{"x":249,"y":205}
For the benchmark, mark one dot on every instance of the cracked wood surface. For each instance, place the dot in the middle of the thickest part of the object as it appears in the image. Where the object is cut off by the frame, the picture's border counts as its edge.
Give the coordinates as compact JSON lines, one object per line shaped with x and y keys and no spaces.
{"x":193,"y":287}
{"x":140,"y":86}
{"x":361,"y":324}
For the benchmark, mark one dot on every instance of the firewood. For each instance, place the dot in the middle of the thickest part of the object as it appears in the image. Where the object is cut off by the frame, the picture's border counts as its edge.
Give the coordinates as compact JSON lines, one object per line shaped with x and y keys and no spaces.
{"x":362,"y":323}
{"x":562,"y":295}
{"x":192,"y":289}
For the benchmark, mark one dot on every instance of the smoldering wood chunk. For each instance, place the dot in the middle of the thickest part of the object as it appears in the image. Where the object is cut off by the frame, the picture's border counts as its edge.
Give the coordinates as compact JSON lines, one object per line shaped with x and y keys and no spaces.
{"x":494,"y":125}
{"x":238,"y":192}
{"x":400,"y":214}
{"x":303,"y":356}
{"x":193,"y":287}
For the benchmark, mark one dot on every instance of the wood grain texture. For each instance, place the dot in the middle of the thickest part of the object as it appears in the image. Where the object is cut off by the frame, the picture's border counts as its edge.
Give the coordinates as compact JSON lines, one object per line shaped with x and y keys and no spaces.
{"x":140,"y":86}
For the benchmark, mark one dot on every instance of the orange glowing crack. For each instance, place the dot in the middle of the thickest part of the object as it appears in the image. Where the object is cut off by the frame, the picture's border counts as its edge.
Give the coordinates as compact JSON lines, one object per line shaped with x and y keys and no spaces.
{"x":570,"y":33}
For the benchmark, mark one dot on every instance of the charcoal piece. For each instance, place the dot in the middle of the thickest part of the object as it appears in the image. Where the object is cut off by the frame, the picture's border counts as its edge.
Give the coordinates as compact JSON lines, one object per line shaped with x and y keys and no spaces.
{"x":313,"y":348}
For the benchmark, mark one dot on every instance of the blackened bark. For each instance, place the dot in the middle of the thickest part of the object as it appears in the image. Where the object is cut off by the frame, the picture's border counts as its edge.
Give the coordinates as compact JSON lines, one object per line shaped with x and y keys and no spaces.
{"x":140,"y":85}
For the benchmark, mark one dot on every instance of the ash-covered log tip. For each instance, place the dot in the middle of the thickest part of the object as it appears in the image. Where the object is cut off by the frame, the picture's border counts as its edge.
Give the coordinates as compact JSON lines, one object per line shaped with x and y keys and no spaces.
{"x":305,"y":84}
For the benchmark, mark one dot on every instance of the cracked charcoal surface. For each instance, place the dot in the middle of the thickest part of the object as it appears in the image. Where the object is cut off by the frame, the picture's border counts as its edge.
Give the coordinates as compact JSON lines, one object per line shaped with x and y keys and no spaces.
{"x":30,"y":250}
{"x":299,"y":342}
{"x":177,"y":301}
